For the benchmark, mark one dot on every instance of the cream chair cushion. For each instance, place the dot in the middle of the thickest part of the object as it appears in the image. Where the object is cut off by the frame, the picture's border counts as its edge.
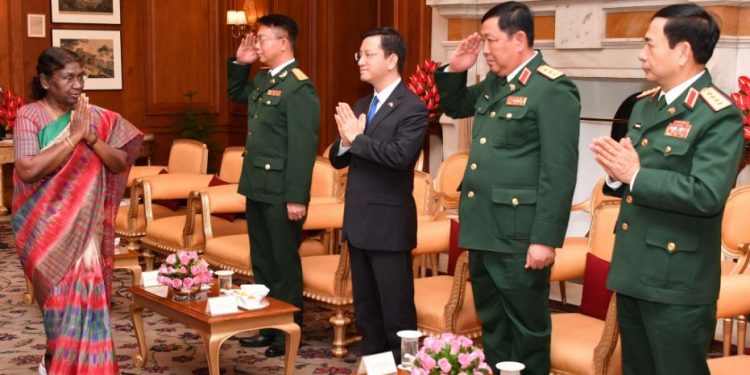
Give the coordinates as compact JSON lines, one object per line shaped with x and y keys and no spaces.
{"x":318,"y":274}
{"x":431,"y":306}
{"x":573,"y":341}
{"x":731,"y":365}
{"x":232,"y":251}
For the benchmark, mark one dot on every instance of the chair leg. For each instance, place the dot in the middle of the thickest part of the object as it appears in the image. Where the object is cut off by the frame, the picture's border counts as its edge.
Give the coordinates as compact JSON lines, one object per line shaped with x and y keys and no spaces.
{"x":563,"y":294}
{"x":727,"y":340}
{"x":28,"y":297}
{"x":741,"y":332}
{"x":340,"y":321}
{"x":148,"y":258}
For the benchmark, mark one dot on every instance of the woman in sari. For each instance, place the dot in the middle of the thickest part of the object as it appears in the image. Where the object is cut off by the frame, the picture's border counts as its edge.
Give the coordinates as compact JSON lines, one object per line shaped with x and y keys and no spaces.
{"x":71,"y":166}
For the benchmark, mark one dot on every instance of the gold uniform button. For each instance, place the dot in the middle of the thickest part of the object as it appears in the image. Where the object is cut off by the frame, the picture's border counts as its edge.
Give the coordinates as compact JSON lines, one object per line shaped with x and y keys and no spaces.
{"x":492,"y":114}
{"x":671,"y":247}
{"x":509,"y":115}
{"x":515,"y":202}
{"x":470,"y":194}
{"x":479,"y":108}
{"x":625,"y":226}
{"x":268,"y":166}
{"x":629,"y":199}
{"x":473,"y":166}
{"x":255,"y":116}
{"x":249,"y":133}
{"x":486,"y":96}
{"x":668,"y":149}
{"x":644,"y":142}
{"x":482,"y":140}
{"x":273,"y":81}
{"x":268,"y":102}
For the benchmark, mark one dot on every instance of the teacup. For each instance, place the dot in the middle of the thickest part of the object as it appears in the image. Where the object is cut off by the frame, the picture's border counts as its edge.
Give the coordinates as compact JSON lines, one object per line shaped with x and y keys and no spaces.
{"x":254,"y":293}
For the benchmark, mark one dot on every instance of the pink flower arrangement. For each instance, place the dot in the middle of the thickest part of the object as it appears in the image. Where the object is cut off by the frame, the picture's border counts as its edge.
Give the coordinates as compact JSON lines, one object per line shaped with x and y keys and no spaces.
{"x":184,"y":270}
{"x":9,"y":105}
{"x":451,"y":355}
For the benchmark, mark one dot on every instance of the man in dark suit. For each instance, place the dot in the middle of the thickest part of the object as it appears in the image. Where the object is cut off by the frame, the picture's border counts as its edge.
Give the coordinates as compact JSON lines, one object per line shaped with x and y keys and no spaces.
{"x":281,"y":144}
{"x":380,"y":141}
{"x":674,"y":171}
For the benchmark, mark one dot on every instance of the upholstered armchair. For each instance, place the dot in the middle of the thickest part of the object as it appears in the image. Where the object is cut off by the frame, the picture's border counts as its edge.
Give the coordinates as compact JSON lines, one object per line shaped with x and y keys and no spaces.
{"x":433,"y":228}
{"x":572,"y":255}
{"x":582,"y":344}
{"x":169,"y":234}
{"x":735,"y":245}
{"x":326,"y":209}
{"x":185,"y":156}
{"x":732,"y":301}
{"x":448,"y":178}
{"x":446,"y":304}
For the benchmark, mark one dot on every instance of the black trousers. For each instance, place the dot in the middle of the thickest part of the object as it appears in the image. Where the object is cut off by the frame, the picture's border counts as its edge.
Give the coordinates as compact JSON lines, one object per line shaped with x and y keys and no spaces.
{"x":383,"y":286}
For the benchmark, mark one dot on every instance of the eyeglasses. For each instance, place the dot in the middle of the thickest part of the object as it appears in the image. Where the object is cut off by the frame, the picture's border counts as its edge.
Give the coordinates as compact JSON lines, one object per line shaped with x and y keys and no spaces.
{"x":71,"y":79}
{"x":262,"y":39}
{"x":359,"y":55}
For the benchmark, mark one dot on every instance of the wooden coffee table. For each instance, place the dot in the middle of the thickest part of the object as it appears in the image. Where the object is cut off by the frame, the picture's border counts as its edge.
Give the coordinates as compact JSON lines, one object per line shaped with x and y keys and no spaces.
{"x":214,"y":329}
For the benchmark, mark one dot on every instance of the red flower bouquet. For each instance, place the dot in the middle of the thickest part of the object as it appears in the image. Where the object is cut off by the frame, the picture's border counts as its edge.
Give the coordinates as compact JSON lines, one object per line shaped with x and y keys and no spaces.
{"x":9,"y":105}
{"x":422,"y":83}
{"x":742,"y":99}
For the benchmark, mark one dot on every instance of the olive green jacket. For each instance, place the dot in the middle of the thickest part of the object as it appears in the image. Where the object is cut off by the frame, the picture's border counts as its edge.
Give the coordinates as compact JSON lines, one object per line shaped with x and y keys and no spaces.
{"x":668,"y":234}
{"x":282,"y":133}
{"x":519,"y":181}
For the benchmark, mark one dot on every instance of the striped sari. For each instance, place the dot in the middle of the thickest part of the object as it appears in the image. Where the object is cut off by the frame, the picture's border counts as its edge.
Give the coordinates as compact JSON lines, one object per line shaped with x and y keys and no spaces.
{"x":64,"y":230}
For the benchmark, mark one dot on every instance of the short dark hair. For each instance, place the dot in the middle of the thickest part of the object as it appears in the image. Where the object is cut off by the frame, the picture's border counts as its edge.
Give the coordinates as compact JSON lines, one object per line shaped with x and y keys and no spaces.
{"x":391,"y":42}
{"x":51,"y":60}
{"x":693,"y":24}
{"x":283,"y":22}
{"x":513,"y":17}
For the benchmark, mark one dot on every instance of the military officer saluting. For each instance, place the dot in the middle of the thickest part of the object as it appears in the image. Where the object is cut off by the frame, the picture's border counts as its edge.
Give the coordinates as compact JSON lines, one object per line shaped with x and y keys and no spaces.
{"x":282,"y":139}
{"x":519,"y":181}
{"x":674,"y":171}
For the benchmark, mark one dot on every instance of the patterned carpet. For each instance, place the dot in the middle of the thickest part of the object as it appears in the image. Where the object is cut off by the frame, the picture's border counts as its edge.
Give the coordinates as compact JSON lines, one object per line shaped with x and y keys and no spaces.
{"x":173,"y":348}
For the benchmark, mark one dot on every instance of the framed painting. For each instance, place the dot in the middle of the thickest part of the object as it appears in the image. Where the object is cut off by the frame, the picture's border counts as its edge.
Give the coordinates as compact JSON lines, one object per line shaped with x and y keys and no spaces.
{"x":86,"y":11}
{"x":100,"y":52}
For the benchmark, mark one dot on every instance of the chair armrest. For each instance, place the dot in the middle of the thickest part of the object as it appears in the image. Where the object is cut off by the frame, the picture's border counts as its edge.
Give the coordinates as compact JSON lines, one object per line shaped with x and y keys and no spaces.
{"x":140,"y":171}
{"x":433,"y":237}
{"x":324,"y":216}
{"x":342,"y":280}
{"x":458,"y":291}
{"x":582,"y":206}
{"x":608,"y":342}
{"x":224,"y":199}
{"x":733,"y":299}
{"x":170,"y":186}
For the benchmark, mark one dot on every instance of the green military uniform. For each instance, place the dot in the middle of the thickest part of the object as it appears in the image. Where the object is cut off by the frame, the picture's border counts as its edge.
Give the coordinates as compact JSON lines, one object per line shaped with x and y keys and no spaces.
{"x":666,"y":263}
{"x":517,"y":189}
{"x":281,"y":145}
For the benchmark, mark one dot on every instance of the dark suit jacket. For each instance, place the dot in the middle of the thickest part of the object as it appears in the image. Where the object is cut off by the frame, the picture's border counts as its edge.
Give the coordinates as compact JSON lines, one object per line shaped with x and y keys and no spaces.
{"x":380,"y":213}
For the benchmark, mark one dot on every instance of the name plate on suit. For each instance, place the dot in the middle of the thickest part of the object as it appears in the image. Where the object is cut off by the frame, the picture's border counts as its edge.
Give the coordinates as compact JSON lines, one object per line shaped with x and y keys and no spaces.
{"x":221,"y":305}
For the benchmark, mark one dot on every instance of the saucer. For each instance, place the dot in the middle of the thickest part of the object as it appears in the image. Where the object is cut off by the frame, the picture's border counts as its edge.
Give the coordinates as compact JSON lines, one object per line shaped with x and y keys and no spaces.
{"x":241,"y":302}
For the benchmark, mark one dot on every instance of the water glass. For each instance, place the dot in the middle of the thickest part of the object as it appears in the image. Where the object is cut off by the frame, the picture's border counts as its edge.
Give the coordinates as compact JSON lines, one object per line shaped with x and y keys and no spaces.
{"x":510,"y":368}
{"x":225,"y":279}
{"x":409,"y":347}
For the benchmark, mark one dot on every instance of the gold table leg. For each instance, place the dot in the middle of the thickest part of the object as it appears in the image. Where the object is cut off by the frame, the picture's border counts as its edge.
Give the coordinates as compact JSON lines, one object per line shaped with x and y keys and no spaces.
{"x":136,"y":315}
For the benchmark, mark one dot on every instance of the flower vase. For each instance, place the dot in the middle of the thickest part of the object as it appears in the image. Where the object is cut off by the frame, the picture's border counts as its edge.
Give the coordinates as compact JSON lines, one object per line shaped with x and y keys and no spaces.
{"x":185,"y":294}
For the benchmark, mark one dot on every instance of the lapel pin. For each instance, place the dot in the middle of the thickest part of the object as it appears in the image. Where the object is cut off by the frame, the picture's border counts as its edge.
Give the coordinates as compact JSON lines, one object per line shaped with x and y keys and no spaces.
{"x":637,"y":125}
{"x":390,"y":104}
{"x":512,"y":87}
{"x":671,"y":110}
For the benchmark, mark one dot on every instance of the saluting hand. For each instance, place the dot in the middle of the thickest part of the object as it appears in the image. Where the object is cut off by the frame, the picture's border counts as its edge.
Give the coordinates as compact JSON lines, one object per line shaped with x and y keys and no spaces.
{"x":246,"y":52}
{"x":349,"y":125}
{"x":619,"y":160}
{"x":80,"y":119}
{"x":465,"y":56}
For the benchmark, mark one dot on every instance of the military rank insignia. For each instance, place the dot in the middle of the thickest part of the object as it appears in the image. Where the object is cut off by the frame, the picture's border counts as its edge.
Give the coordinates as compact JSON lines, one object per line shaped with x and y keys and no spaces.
{"x":678,"y":129}
{"x":274,"y":92}
{"x":516,"y":101}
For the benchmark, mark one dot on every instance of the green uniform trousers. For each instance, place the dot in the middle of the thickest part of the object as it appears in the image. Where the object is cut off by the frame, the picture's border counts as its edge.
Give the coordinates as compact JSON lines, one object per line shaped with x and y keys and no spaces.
{"x":274,"y":253}
{"x":513,"y":304}
{"x":664,"y":339}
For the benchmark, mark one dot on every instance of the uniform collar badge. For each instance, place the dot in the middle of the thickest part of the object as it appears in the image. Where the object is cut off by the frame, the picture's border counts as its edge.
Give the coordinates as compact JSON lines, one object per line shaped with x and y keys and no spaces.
{"x":274,"y":92}
{"x":691,"y":98}
{"x":512,"y":87}
{"x":671,"y":110}
{"x":516,"y":101}
{"x":678,"y":129}
{"x":524,"y":76}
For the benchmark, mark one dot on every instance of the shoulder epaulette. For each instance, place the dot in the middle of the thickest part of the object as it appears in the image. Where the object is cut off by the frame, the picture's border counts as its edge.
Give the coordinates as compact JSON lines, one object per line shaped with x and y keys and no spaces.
{"x":549,"y":72}
{"x":716,"y":100}
{"x":648,"y":92}
{"x":299,"y":74}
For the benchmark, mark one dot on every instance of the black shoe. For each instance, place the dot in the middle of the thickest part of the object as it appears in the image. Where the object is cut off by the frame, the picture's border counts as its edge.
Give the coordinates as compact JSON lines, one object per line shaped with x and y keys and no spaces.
{"x":275,"y":351}
{"x":257,"y":341}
